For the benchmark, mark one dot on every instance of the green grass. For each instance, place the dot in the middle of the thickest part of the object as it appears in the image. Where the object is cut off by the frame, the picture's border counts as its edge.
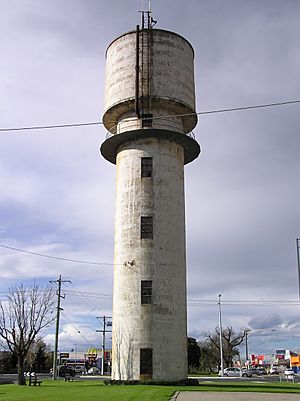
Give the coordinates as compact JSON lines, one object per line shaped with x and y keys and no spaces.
{"x":97,"y":391}
{"x":83,"y":391}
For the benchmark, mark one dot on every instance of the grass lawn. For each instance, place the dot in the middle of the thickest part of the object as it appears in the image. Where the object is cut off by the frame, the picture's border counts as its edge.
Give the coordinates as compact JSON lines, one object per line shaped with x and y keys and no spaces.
{"x":83,"y":391}
{"x":97,"y":391}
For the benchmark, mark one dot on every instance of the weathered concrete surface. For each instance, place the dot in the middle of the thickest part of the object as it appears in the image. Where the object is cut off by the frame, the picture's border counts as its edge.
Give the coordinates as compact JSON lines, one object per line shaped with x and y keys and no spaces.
{"x":161,"y":325}
{"x":225,"y":396}
{"x":166,"y":79}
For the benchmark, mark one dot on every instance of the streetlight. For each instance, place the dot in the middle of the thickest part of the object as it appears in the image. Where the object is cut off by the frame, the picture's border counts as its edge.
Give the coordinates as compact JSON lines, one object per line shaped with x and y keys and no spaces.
{"x":298,"y":261}
{"x":221,"y":342}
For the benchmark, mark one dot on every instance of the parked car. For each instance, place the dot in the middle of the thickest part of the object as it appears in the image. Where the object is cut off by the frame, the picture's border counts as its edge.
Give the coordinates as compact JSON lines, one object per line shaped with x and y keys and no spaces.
{"x":79,"y":369}
{"x":236,"y":372}
{"x":63,"y":370}
{"x":259,"y":371}
{"x":93,"y":370}
{"x":289,"y":372}
{"x":274,"y":370}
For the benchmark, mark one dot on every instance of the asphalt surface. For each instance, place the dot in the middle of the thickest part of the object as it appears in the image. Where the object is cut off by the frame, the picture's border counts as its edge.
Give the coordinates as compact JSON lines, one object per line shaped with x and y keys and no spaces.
{"x":224,"y":396}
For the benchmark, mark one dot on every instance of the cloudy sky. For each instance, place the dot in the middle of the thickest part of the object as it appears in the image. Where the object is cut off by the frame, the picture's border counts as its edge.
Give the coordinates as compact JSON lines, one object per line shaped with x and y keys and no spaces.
{"x":242,"y":194}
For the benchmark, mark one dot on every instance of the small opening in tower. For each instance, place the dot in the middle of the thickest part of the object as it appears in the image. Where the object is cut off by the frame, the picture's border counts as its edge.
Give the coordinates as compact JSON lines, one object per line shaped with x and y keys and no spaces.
{"x":147,"y":119}
{"x":146,"y":167}
{"x":146,"y":292}
{"x":146,"y":227}
{"x":146,"y":361}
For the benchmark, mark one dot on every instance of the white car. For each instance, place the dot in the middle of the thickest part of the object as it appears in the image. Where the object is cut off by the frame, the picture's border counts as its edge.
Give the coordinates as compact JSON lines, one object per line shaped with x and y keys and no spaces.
{"x":93,"y":370}
{"x":236,"y":372}
{"x":79,"y":369}
{"x":289,"y":372}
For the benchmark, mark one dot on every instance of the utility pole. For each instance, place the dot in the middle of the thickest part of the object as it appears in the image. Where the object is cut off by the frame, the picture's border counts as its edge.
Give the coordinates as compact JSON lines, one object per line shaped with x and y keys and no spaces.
{"x":298,"y":260}
{"x":105,"y":323}
{"x":59,"y":282}
{"x":246,"y":343}
{"x":221,"y":342}
{"x":248,"y":333}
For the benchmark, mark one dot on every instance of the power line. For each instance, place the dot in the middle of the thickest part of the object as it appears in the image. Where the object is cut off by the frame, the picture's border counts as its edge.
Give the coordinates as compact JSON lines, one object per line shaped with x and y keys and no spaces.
{"x":85,"y":294}
{"x":257,"y":106}
{"x":226,"y":110}
{"x":55,"y":257}
{"x":196,"y":302}
{"x":200,"y":302}
{"x":77,"y":330}
{"x":38,"y":127}
{"x":190,"y":302}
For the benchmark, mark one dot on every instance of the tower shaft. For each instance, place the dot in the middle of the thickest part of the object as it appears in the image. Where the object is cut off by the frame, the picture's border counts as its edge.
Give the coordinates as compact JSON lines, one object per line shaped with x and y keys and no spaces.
{"x":149,"y":307}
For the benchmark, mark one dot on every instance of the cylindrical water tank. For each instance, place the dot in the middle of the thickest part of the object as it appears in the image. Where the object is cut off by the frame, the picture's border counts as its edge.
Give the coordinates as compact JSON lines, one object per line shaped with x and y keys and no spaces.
{"x":157,"y":66}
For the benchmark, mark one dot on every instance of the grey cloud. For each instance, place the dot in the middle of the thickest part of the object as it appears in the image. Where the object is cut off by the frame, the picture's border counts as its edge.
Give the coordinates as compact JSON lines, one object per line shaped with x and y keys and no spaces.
{"x":265,"y":321}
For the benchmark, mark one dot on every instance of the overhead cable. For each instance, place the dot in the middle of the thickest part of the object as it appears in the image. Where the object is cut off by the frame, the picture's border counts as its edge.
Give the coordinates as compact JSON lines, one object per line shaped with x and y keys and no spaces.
{"x":77,"y":330}
{"x":56,"y":257}
{"x":72,"y":125}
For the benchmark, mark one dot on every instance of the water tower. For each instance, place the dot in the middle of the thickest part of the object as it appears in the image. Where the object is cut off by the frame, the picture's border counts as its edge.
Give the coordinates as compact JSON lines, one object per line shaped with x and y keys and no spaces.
{"x":149,"y":115}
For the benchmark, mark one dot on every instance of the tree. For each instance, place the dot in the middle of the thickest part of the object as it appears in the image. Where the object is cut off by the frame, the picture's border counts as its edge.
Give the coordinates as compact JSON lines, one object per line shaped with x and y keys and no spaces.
{"x":7,"y":362}
{"x":39,"y":356}
{"x":230,"y":342}
{"x":209,"y":357}
{"x":24,"y":313}
{"x":193,"y":354}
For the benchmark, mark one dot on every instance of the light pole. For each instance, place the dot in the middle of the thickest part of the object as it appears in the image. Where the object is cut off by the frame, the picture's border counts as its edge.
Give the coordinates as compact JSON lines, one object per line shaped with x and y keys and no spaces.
{"x":221,"y":342}
{"x":298,"y":262}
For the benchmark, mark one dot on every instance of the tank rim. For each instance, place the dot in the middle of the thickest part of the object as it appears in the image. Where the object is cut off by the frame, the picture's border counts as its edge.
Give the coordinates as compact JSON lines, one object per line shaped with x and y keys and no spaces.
{"x":153,"y":29}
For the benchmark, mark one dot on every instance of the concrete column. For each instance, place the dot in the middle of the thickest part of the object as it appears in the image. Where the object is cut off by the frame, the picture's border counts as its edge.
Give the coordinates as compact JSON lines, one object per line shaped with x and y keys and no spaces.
{"x":161,"y":325}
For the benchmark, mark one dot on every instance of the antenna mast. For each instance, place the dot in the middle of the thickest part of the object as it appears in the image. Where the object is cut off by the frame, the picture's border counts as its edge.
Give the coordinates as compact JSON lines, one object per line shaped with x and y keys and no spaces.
{"x":147,"y":20}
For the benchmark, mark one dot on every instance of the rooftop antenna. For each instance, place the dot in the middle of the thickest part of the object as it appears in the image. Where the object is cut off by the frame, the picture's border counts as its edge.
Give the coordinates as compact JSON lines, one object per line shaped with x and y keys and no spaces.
{"x":152,"y":22}
{"x":146,"y":17}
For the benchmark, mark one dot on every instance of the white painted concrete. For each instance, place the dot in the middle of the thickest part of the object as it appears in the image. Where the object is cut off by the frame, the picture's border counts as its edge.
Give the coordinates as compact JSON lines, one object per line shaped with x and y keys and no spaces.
{"x":161,"y":325}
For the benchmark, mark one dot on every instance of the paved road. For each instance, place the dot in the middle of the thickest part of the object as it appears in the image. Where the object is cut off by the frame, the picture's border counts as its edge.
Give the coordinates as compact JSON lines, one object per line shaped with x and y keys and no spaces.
{"x":224,"y":396}
{"x":254,"y":378}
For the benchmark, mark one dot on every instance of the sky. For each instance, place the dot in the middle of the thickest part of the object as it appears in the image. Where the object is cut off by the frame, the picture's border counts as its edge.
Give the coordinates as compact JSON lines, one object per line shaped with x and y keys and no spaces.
{"x":242,"y":193}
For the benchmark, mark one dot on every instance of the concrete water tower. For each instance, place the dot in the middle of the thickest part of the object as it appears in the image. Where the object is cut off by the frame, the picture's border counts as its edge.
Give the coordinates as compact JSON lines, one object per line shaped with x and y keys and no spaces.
{"x":149,"y":115}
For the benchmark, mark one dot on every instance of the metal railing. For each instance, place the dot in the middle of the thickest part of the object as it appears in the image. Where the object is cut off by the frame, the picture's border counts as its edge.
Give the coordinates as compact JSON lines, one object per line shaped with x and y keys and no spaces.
{"x":130,"y":127}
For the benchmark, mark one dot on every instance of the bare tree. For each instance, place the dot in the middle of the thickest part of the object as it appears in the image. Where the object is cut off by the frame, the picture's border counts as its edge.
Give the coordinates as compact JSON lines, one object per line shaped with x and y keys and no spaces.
{"x":230,"y":342}
{"x":24,"y":313}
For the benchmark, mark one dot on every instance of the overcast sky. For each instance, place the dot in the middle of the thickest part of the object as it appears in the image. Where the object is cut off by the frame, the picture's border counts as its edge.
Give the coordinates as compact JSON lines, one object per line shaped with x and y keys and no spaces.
{"x":242,"y":193}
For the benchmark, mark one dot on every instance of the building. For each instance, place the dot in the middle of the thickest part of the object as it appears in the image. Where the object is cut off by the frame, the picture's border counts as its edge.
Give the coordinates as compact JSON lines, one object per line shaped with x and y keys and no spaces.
{"x":286,"y":358}
{"x":149,"y":115}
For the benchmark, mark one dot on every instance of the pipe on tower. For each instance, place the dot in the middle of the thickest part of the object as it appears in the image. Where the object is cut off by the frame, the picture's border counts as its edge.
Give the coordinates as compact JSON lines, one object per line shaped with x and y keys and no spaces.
{"x":137,"y":70}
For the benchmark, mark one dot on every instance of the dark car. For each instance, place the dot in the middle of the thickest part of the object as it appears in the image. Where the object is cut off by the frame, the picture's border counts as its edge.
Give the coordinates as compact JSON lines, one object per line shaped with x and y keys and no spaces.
{"x":66,"y":370}
{"x":259,"y":371}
